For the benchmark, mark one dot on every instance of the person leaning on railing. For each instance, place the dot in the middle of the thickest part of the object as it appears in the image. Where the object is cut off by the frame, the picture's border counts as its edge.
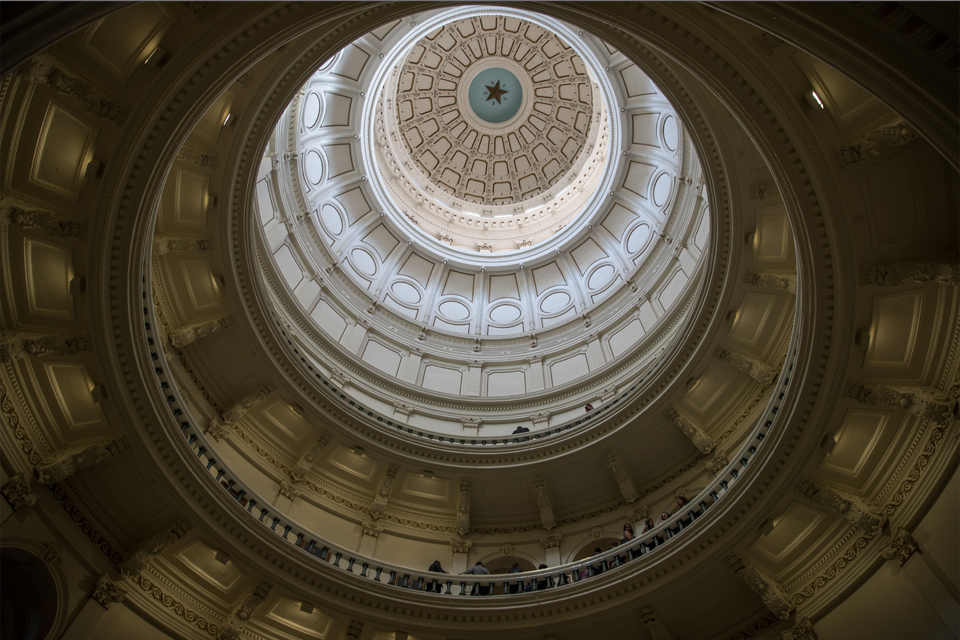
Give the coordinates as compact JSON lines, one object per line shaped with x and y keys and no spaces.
{"x":478,"y":570}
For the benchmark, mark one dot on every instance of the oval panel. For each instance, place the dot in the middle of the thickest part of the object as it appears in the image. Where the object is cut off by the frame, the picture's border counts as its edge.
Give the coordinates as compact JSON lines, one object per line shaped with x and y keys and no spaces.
{"x":313,"y":165}
{"x":671,"y":136}
{"x":364,"y":262}
{"x":638,"y":238}
{"x":454,"y":310}
{"x":311,"y":111}
{"x":406,"y":292}
{"x":601,"y":277}
{"x":331,"y":220}
{"x":555,"y":302}
{"x":504,"y":313}
{"x":661,"y":190}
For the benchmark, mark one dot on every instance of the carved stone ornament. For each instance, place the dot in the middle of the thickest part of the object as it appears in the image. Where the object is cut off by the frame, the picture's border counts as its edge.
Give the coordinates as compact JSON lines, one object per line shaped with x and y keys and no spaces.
{"x":551,"y":541}
{"x":106,"y":593}
{"x":52,"y":552}
{"x":339,"y":377}
{"x":620,"y":474}
{"x":402,"y":409}
{"x":540,"y":417}
{"x":380,"y":501}
{"x":46,"y":71}
{"x":289,"y":490}
{"x":471,"y":423}
{"x":46,"y":222}
{"x":65,"y":463}
{"x":355,"y":630}
{"x":138,"y":560}
{"x":607,"y":393}
{"x":163,"y":246}
{"x":718,"y":463}
{"x":17,"y":347}
{"x":784,"y":282}
{"x":847,"y":505}
{"x":640,"y":513}
{"x":188,"y":335}
{"x":802,"y":631}
{"x":463,"y":508}
{"x":653,"y":624}
{"x":17,"y":492}
{"x":199,"y":157}
{"x":236,"y":411}
{"x":763,"y":585}
{"x":461,"y":546}
{"x":699,"y":439}
{"x":372,"y":529}
{"x":750,"y":366}
{"x":238,"y":619}
{"x":901,"y":548}
{"x":506,"y":549}
{"x":767,"y":191}
{"x":924,"y":402}
{"x":869,"y":144}
{"x":216,"y":430}
{"x":940,"y":268}
{"x":305,"y":463}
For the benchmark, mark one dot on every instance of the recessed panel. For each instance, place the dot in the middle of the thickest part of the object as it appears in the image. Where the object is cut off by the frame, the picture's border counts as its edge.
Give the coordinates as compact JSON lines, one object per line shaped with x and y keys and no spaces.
{"x":329,"y":319}
{"x":789,"y":531}
{"x":856,"y":440}
{"x":49,"y":268}
{"x":894,"y":329}
{"x":506,"y":383}
{"x":71,"y":386}
{"x":454,"y":310}
{"x":568,"y":369}
{"x":442,"y":379}
{"x":382,"y":357}
{"x":339,"y":159}
{"x":61,"y":155}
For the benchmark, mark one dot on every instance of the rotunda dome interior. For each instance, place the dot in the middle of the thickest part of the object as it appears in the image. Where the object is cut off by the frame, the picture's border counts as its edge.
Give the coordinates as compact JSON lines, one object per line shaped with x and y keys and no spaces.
{"x":302,"y":299}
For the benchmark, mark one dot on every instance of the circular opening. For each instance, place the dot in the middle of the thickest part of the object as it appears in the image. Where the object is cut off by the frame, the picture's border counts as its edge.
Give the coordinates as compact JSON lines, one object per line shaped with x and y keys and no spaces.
{"x":495,"y":95}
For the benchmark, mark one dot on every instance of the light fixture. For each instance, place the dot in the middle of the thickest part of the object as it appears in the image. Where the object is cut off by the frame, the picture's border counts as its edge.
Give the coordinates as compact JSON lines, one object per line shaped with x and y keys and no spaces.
{"x":228,"y":120}
{"x":306,"y":607}
{"x":814,"y":100}
{"x":99,"y":393}
{"x":211,"y":201}
{"x":358,"y":450}
{"x":428,"y":474}
{"x":297,"y":409}
{"x":767,"y":527}
{"x":748,"y":238}
{"x":155,"y":57}
{"x":829,"y":443}
{"x":77,"y":285}
{"x":94,"y":169}
{"x":222,"y":558}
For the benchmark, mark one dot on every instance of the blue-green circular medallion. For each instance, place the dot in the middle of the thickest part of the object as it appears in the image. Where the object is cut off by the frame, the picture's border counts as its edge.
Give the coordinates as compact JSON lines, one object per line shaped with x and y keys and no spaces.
{"x":495,"y":95}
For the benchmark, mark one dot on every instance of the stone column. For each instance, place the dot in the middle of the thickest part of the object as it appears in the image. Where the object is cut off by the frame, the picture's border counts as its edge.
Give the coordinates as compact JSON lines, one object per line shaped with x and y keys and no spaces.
{"x":17,"y":347}
{"x":463,"y":508}
{"x":940,"y":268}
{"x":461,"y":551}
{"x":242,"y":614}
{"x":535,"y":375}
{"x":543,"y":501}
{"x":904,"y":550}
{"x":924,"y":402}
{"x":383,"y":492}
{"x":627,"y":488}
{"x":750,"y":366}
{"x":148,"y":550}
{"x":472,"y":383}
{"x":16,"y":493}
{"x":65,"y":463}
{"x":411,"y":368}
{"x":353,"y":336}
{"x":104,"y":594}
{"x":190,"y":334}
{"x":784,"y":282}
{"x":763,"y":585}
{"x":305,"y":463}
{"x":551,"y":545}
{"x":847,"y":505}
{"x":368,"y":539}
{"x":802,"y":631}
{"x":697,"y":436}
{"x":653,"y":624}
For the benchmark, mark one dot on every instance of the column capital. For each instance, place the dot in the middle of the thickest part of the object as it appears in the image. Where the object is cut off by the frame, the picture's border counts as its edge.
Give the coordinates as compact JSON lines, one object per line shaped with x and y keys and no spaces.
{"x":461,"y":546}
{"x":106,"y":592}
{"x":901,"y":548}
{"x":17,"y":492}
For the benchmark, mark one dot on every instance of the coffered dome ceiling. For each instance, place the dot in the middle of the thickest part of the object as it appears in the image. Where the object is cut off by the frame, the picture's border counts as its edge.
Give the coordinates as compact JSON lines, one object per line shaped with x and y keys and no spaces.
{"x":286,"y":296}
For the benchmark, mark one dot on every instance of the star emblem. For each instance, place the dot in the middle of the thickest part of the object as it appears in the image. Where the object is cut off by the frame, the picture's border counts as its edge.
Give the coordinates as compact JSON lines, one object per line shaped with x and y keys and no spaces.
{"x":494,"y":92}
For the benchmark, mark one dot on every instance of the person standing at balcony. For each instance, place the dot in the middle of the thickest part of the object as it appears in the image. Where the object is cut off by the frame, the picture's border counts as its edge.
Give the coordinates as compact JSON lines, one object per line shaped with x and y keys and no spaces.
{"x":478,"y":570}
{"x":436,"y":568}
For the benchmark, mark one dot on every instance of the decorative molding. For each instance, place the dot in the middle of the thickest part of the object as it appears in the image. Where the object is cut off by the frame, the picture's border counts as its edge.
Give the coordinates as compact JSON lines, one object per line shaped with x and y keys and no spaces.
{"x":188,"y":335}
{"x":543,"y":501}
{"x":17,"y":346}
{"x":766,"y":191}
{"x":755,"y":627}
{"x":305,"y":463}
{"x":803,"y":630}
{"x":620,"y":474}
{"x":162,"y":245}
{"x":17,"y":492}
{"x":384,"y":489}
{"x":199,"y":157}
{"x":718,"y":463}
{"x":372,"y":529}
{"x":784,"y":282}
{"x":236,"y":411}
{"x":47,"y":222}
{"x":238,"y":619}
{"x":289,"y":490}
{"x":937,"y":268}
{"x":924,"y":402}
{"x":901,"y":548}
{"x":65,"y":463}
{"x":42,"y":69}
{"x":85,"y":525}
{"x":551,"y":541}
{"x":763,"y":585}
{"x":750,"y":366}
{"x":463,"y":508}
{"x":834,"y":569}
{"x":849,"y":506}
{"x":177,"y":607}
{"x":461,"y":546}
{"x":653,"y":624}
{"x":540,"y":417}
{"x":697,"y":436}
{"x":868,"y":145}
{"x":402,"y":409}
{"x":137,"y":561}
{"x":106,"y":592}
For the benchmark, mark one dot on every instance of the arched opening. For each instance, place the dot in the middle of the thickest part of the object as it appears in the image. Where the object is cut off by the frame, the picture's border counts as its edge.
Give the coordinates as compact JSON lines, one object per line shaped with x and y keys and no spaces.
{"x":28,"y":602}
